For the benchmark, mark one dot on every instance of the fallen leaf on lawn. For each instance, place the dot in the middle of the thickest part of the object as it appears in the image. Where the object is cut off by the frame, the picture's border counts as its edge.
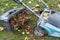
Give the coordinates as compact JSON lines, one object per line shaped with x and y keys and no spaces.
{"x":26,"y":38}
{"x":27,"y":32}
{"x":15,"y":7}
{"x":23,"y":32}
{"x":39,"y":0}
{"x":37,"y":5}
{"x":33,"y":7}
{"x":29,"y":2}
{"x":19,"y":30}
{"x":28,"y":27}
{"x":1,"y":28}
{"x":59,"y":5}
{"x":36,"y":9}
{"x":6,"y":4}
{"x":46,"y":15}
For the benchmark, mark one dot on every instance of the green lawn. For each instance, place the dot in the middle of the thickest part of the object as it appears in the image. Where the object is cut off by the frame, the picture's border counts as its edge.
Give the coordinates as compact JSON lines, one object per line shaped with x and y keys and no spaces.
{"x":6,"y":5}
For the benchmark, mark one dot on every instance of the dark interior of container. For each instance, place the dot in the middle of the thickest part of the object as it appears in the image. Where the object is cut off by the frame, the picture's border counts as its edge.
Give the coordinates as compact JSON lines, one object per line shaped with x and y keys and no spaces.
{"x":20,"y":20}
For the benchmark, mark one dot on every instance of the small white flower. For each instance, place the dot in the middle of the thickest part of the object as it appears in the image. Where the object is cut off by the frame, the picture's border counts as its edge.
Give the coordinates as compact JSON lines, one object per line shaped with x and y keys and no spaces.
{"x":29,"y":2}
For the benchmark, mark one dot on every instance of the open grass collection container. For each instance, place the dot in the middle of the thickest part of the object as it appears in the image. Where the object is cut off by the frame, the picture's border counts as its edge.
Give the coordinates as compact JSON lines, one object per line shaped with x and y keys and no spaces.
{"x":15,"y":18}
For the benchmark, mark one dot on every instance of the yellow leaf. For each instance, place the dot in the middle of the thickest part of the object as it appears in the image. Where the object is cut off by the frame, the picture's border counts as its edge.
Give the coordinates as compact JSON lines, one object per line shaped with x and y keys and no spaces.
{"x":26,"y":38}
{"x":39,"y":0}
{"x":23,"y":32}
{"x":45,"y":15}
{"x":29,"y":2}
{"x":37,"y":5}
{"x":59,"y":5}
{"x":1,"y":28}
{"x":19,"y":30}
{"x":27,"y":32}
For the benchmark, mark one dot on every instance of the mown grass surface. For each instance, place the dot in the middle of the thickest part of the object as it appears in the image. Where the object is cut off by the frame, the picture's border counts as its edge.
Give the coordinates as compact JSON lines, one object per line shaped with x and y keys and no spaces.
{"x":6,"y":5}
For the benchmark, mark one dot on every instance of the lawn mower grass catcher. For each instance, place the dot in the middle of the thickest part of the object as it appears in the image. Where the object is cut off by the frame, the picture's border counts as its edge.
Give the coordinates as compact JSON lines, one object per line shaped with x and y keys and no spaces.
{"x":15,"y":19}
{"x":48,"y":21}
